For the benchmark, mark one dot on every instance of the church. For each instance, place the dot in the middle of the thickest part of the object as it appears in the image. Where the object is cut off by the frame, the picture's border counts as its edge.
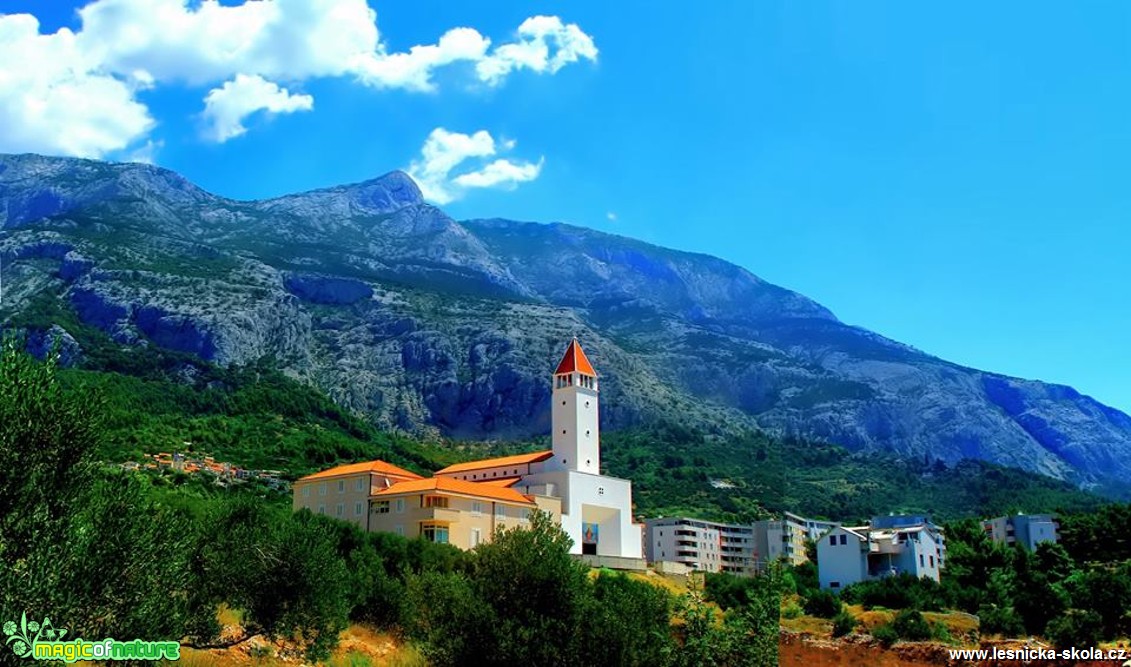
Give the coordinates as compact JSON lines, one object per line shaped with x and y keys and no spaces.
{"x":465,"y":503}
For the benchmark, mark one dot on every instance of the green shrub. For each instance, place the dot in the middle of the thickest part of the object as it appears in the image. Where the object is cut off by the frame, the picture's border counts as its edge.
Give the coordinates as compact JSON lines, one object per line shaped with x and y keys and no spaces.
{"x":1076,"y":627}
{"x":843,"y":623}
{"x":909,"y":624}
{"x":792,"y":610}
{"x":823,"y":604}
{"x":885,"y":634}
{"x":998,"y":620}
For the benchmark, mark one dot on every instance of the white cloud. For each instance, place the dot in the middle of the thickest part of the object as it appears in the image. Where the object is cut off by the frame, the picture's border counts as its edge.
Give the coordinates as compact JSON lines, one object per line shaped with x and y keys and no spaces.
{"x":444,"y":151}
{"x":75,"y":93}
{"x":533,"y":50}
{"x":226,"y":107}
{"x":52,"y":100}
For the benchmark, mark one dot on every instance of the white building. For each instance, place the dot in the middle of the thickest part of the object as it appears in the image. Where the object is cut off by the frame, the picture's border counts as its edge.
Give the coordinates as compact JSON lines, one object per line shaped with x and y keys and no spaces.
{"x":1027,"y":530}
{"x":706,"y":546}
{"x":888,"y":547}
{"x":596,"y":510}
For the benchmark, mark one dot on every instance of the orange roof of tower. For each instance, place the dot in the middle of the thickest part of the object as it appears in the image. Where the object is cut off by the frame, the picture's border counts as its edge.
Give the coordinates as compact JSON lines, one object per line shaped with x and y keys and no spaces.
{"x":575,"y":361}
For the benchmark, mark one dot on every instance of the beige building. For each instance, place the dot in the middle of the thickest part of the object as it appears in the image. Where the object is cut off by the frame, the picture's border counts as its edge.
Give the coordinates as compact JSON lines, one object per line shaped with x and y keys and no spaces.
{"x":379,"y":496}
{"x":344,"y":492}
{"x":454,"y":511}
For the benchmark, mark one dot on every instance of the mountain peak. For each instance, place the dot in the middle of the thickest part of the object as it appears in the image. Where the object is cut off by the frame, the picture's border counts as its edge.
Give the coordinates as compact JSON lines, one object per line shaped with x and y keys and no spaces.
{"x":393,"y":190}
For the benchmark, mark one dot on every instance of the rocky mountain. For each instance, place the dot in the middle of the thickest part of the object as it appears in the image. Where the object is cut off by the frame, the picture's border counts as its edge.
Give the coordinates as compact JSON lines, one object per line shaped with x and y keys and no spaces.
{"x":425,"y":323}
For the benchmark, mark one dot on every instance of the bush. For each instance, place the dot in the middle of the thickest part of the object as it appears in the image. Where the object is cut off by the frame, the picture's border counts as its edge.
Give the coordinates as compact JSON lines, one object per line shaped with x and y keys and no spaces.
{"x":998,"y":620}
{"x":823,"y":604}
{"x":885,"y":634}
{"x":792,"y":610}
{"x":909,"y":624}
{"x":1076,"y":627}
{"x":904,"y":591}
{"x":843,"y":623}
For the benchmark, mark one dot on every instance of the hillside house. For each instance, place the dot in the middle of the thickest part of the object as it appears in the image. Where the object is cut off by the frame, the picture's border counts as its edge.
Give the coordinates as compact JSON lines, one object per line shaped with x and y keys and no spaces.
{"x":1024,"y":530}
{"x":888,"y":546}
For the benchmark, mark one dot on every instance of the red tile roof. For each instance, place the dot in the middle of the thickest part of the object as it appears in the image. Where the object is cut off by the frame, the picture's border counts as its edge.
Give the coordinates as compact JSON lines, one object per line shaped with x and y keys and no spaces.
{"x":517,"y":459}
{"x":502,"y":481}
{"x":462,"y":487}
{"x":575,"y":361}
{"x":379,"y":467}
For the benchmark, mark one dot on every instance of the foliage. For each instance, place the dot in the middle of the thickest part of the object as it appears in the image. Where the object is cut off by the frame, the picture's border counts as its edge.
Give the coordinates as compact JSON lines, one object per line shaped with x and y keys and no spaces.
{"x":823,"y":604}
{"x":885,"y":634}
{"x":909,"y":624}
{"x":672,"y":467}
{"x":843,"y":623}
{"x":1075,"y":627}
{"x":903,"y":591}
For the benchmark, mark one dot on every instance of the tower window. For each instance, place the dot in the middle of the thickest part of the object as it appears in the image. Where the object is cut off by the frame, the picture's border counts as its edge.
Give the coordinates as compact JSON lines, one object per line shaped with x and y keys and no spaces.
{"x":563,"y":403}
{"x":586,"y":403}
{"x":587,"y":434}
{"x":563,"y":431}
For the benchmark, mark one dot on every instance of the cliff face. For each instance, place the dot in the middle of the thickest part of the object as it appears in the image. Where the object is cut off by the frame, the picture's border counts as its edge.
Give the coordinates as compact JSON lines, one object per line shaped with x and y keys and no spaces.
{"x":422,"y":322}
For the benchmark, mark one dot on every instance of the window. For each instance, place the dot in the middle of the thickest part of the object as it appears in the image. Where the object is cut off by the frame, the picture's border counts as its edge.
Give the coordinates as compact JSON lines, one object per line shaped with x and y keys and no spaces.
{"x":399,"y":530}
{"x":357,"y":509}
{"x":476,"y":507}
{"x":435,"y":501}
{"x":341,"y":486}
{"x":381,"y":507}
{"x":500,"y":511}
{"x":306,"y":492}
{"x":360,"y":483}
{"x":844,"y":539}
{"x":340,"y":509}
{"x":921,"y":563}
{"x":475,"y":537}
{"x":834,"y":584}
{"x":524,"y":514}
{"x":321,"y":509}
{"x":322,"y":489}
{"x":832,"y":541}
{"x":932,"y":559}
{"x":437,"y":534}
{"x":400,"y":505}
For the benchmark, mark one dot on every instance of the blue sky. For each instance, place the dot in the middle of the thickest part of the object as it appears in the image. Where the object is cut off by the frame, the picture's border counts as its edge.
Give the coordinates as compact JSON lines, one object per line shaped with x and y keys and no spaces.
{"x":953,"y":178}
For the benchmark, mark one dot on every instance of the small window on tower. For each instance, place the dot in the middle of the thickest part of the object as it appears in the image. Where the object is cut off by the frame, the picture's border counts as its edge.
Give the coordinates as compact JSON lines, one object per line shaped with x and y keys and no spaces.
{"x":587,"y":434}
{"x":586,"y":403}
{"x":563,"y":403}
{"x":563,"y":431}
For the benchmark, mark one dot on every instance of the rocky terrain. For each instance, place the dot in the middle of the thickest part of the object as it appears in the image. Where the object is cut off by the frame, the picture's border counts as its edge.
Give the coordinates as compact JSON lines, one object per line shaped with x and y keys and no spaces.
{"x":428,"y":324}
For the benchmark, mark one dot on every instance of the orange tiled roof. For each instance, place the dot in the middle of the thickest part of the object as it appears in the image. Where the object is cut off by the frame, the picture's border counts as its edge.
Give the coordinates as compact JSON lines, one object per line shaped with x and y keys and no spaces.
{"x":502,"y":481}
{"x":379,"y":467}
{"x":456,"y":486}
{"x":517,"y":459}
{"x":575,"y":361}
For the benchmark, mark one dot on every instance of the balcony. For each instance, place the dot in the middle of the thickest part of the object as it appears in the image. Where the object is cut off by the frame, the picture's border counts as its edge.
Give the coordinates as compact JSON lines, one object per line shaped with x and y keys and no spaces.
{"x":442,"y":514}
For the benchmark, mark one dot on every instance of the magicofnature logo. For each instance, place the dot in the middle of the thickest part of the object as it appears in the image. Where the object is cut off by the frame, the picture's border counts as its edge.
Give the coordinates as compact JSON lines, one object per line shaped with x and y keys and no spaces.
{"x":43,"y":641}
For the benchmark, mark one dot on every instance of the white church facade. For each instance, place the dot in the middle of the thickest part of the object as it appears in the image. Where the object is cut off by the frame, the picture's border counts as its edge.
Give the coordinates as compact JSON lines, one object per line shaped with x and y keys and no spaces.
{"x":465,"y":503}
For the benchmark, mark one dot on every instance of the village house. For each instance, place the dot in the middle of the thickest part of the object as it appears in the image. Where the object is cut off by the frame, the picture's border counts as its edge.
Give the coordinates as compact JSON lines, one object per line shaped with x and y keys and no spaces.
{"x":888,"y":546}
{"x":466,"y":503}
{"x":704,"y":546}
{"x":1025,"y":530}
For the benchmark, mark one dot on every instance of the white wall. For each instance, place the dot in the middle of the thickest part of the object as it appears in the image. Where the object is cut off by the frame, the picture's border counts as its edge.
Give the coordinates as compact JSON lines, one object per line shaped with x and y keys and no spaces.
{"x":842,"y":564}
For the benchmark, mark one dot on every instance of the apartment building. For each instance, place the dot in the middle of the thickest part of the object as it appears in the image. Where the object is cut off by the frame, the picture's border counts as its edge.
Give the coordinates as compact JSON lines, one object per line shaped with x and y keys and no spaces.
{"x":706,"y":546}
{"x":784,"y":539}
{"x":888,"y":546}
{"x":1025,"y":530}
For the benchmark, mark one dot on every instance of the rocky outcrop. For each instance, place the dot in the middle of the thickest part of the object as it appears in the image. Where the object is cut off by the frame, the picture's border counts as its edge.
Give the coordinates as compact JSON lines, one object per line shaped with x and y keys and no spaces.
{"x":424,"y":323}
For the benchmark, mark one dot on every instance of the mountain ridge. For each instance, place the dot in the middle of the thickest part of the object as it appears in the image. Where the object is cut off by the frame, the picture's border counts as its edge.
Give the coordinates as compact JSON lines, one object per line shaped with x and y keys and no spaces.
{"x":425,"y":323}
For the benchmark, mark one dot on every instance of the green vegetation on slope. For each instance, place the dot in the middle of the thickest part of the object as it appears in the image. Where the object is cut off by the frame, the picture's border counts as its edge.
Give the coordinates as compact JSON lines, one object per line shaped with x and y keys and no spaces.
{"x":672,"y":469}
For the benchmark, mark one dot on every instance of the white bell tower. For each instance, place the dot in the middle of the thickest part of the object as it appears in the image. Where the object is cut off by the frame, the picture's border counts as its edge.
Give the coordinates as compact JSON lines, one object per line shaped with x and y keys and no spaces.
{"x":574,"y":417}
